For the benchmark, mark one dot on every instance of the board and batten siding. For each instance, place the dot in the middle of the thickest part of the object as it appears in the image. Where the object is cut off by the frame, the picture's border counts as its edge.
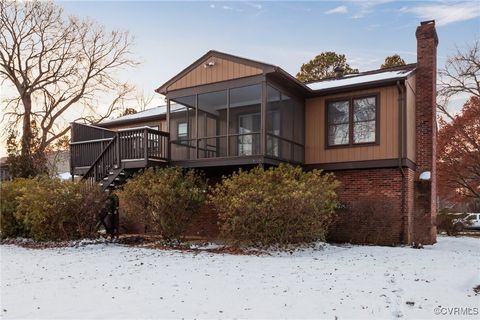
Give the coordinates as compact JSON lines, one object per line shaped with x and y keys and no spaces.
{"x":222,"y":70}
{"x":411,"y":128}
{"x":315,"y":151}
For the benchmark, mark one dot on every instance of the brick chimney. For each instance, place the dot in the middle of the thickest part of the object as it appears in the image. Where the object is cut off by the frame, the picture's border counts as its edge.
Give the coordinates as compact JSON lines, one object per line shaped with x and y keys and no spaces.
{"x":426,"y":134}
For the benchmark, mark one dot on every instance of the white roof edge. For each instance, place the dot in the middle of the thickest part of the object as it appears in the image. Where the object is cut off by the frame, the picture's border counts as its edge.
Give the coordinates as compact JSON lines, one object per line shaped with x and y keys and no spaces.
{"x":360,"y":79}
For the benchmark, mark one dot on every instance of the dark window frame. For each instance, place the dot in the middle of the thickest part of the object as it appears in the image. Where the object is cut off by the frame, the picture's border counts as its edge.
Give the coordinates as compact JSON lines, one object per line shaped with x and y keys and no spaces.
{"x":351,"y":143}
{"x":185,"y":135}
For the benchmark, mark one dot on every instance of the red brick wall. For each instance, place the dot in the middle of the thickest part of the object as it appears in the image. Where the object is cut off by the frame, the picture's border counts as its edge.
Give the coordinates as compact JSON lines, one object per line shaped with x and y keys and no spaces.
{"x":382,"y":189}
{"x":204,"y":225}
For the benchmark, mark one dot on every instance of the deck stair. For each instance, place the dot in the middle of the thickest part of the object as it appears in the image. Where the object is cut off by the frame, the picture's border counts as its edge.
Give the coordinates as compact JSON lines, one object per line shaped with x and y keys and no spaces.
{"x":111,"y":157}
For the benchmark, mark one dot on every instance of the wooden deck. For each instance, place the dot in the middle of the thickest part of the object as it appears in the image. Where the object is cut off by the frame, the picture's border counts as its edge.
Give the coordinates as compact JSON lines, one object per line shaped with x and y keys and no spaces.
{"x":99,"y":154}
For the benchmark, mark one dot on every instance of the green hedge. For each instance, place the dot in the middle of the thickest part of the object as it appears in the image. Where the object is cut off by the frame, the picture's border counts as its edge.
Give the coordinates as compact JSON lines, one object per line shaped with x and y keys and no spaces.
{"x":280,"y":205}
{"x":50,"y":209}
{"x":164,"y":200}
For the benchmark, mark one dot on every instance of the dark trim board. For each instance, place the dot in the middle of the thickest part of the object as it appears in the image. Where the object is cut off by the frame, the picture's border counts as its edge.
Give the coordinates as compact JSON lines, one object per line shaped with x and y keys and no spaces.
{"x":216,"y":86}
{"x":225,"y":162}
{"x":368,"y":164}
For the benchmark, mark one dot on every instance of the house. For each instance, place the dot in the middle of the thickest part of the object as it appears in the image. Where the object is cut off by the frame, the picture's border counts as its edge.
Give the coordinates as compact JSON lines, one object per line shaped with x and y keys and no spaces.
{"x":375,"y":130}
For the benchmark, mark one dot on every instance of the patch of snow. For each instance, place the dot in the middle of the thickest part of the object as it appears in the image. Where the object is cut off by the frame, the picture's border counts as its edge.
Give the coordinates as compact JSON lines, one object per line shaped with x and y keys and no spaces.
{"x":354,"y":79}
{"x":426,"y":175}
{"x":65,"y":176}
{"x":325,"y":281}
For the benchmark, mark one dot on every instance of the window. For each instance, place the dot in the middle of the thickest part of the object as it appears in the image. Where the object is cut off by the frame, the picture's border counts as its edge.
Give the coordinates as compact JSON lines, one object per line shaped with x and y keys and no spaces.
{"x":338,"y":123}
{"x":182,"y":130}
{"x":352,"y":121}
{"x":249,"y":144}
{"x":364,"y":122}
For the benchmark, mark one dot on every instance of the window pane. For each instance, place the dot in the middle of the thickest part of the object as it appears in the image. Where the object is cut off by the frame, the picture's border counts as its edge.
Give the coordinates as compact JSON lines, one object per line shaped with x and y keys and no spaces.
{"x":364,"y":132}
{"x":338,"y":112}
{"x":244,"y":118}
{"x":273,"y":110}
{"x":338,"y":134}
{"x":182,"y":130}
{"x":364,"y":109}
{"x":244,"y":100}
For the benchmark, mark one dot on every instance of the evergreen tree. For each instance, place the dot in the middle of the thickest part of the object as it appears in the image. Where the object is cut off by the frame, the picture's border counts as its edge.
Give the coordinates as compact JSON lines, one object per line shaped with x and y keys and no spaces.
{"x":393,"y":61}
{"x":323,"y":66}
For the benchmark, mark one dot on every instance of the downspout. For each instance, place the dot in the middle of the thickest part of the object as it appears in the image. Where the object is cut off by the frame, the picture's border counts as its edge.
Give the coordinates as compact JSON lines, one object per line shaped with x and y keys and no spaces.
{"x":401,"y":106}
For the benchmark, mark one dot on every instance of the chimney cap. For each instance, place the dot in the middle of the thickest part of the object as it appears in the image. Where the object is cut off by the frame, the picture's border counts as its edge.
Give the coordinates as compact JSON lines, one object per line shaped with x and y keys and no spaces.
{"x":427,"y":22}
{"x":339,"y":71}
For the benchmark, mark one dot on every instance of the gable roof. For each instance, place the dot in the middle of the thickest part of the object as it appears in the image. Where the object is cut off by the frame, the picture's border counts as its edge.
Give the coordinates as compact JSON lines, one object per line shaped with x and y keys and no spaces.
{"x":351,"y":81}
{"x":265,"y":67}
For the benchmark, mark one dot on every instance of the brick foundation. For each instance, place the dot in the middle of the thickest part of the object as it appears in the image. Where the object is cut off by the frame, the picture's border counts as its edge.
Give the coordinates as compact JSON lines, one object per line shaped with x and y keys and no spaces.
{"x":373,"y":211}
{"x":204,"y":225}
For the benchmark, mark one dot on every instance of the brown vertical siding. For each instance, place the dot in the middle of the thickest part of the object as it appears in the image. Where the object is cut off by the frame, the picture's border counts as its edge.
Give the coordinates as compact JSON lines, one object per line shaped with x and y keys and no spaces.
{"x":410,"y":89}
{"x":315,"y":151}
{"x":221,"y":71}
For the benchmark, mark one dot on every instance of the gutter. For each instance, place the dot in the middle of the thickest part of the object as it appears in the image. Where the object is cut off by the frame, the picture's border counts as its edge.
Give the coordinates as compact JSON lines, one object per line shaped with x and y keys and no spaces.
{"x":401,"y":107}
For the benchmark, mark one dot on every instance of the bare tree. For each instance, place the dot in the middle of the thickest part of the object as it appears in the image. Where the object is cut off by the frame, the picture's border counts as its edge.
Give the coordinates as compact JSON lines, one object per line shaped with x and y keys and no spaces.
{"x":57,"y":64}
{"x":461,"y":75}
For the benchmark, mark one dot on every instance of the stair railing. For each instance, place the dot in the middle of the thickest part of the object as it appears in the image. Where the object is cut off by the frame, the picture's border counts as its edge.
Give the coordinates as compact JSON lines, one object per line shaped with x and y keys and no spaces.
{"x":106,"y":161}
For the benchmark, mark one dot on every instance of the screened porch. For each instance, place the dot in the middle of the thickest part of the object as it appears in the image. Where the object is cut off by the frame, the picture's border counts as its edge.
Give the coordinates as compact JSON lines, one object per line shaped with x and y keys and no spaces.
{"x":256,"y":122}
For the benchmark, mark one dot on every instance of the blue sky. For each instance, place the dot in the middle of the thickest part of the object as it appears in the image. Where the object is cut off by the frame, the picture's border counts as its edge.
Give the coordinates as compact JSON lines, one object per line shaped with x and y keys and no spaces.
{"x":171,"y":35}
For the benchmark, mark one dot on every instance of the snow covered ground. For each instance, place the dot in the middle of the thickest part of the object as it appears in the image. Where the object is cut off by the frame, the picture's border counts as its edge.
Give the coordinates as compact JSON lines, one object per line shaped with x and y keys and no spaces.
{"x":114,"y":281}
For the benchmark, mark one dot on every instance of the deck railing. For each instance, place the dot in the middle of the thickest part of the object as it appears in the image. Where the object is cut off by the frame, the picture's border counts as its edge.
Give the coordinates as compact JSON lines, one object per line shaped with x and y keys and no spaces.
{"x":105,"y":162}
{"x":103,"y":154}
{"x":85,"y":132}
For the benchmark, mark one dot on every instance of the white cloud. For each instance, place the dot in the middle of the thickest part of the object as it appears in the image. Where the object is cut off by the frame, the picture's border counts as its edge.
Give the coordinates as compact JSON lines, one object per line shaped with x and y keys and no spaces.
{"x":255,"y":5}
{"x":446,"y":13}
{"x":339,"y":9}
{"x":212,"y":6}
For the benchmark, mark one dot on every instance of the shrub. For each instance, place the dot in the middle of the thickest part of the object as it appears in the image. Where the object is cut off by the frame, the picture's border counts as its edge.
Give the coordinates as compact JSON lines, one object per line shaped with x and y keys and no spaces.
{"x":363,"y":221}
{"x":10,"y":191}
{"x":452,"y":223}
{"x":52,"y":209}
{"x":164,"y":200}
{"x":280,"y":205}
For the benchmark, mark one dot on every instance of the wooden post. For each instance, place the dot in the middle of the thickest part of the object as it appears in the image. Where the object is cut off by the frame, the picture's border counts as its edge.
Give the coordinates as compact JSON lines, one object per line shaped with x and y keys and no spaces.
{"x":145,"y":145}
{"x":117,"y":149}
{"x":168,"y":155}
{"x":228,"y":122}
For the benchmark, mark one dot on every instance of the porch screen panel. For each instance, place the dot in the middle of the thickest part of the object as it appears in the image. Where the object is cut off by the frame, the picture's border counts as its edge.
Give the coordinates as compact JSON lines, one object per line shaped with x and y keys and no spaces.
{"x":245,"y":120}
{"x":182,"y":128}
{"x":274,"y":103}
{"x":299,"y":131}
{"x":212,"y":124}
